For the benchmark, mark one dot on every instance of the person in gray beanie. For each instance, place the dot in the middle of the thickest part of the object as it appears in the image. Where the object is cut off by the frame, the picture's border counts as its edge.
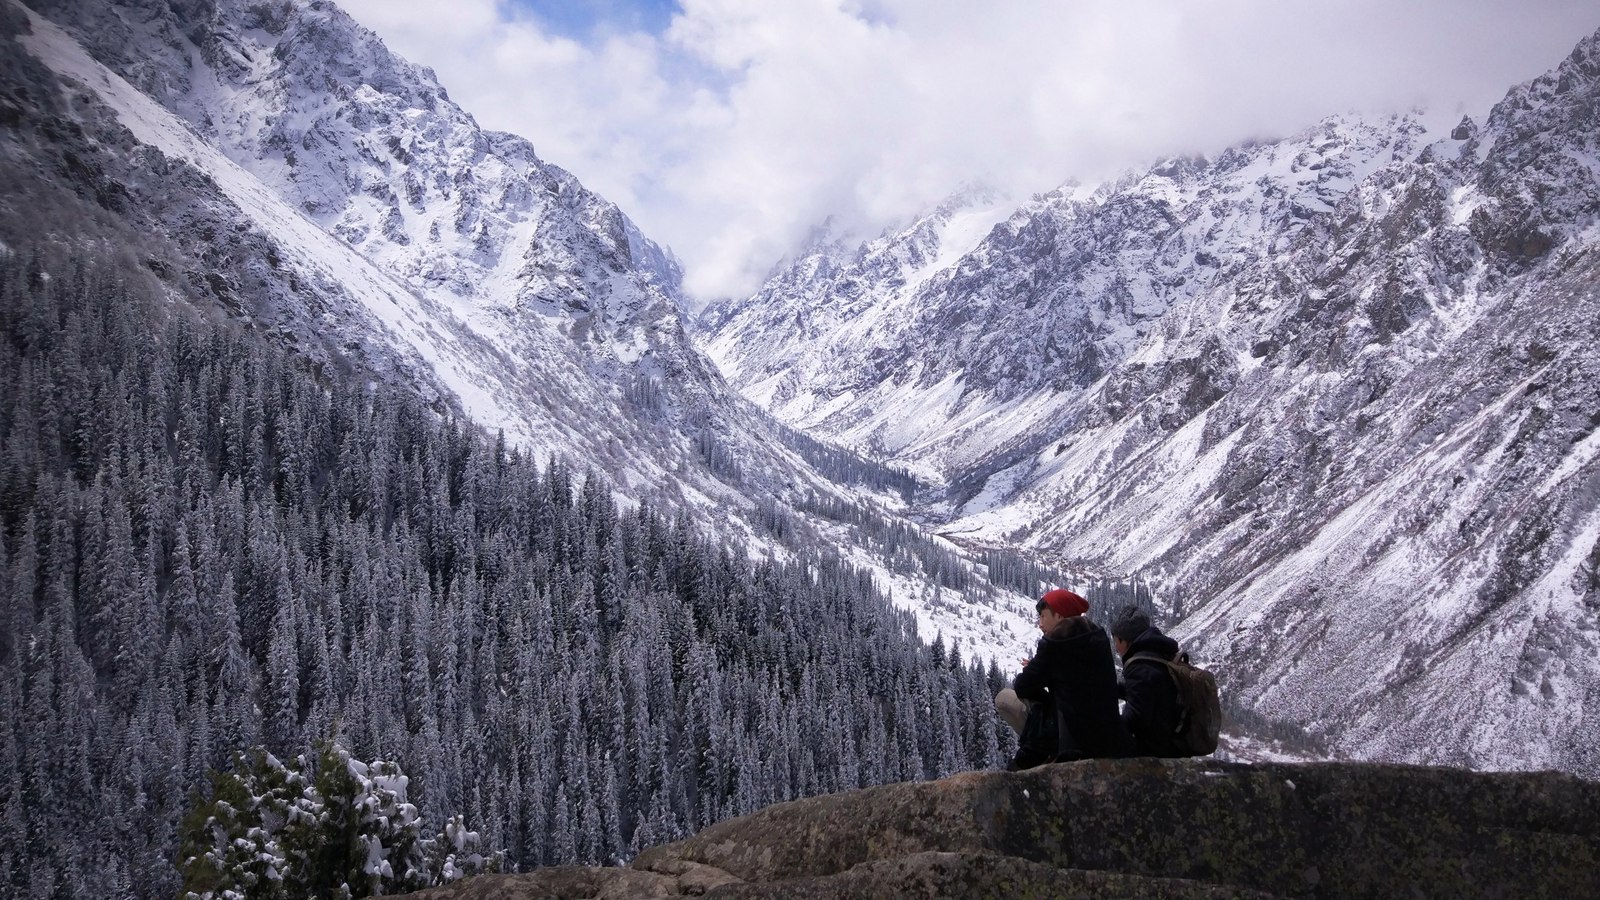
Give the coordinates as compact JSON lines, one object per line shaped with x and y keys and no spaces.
{"x":1150,"y":709}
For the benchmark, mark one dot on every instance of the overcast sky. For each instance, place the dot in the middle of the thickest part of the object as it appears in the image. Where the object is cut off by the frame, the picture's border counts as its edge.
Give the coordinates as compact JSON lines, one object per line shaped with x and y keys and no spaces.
{"x":729,"y":128}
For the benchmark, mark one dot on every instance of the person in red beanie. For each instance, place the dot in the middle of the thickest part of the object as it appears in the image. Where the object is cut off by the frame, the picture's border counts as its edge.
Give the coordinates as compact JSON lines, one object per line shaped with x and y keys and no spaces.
{"x":1063,"y":704}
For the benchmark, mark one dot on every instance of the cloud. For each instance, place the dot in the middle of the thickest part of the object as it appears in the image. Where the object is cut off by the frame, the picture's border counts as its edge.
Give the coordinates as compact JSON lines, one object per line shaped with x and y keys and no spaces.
{"x":735,"y":130}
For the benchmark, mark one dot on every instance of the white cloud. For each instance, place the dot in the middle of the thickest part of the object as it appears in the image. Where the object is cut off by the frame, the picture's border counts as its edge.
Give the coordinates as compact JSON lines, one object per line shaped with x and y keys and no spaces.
{"x":746,"y":123}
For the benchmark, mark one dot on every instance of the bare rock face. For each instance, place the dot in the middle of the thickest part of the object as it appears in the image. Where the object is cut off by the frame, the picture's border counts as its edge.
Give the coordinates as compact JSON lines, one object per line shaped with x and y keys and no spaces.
{"x":1132,"y":828}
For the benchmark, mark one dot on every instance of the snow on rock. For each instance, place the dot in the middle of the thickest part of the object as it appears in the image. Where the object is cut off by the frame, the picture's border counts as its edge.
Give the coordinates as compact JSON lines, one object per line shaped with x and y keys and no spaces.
{"x":1335,"y":394}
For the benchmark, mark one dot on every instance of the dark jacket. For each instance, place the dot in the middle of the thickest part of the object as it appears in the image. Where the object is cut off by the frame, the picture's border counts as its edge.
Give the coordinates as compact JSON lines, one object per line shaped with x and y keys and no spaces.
{"x":1037,"y":743}
{"x":1150,"y":699}
{"x":1075,"y":671}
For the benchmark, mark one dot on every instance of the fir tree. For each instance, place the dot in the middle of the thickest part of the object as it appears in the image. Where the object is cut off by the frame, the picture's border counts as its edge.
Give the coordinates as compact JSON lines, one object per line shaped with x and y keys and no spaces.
{"x":210,"y":544}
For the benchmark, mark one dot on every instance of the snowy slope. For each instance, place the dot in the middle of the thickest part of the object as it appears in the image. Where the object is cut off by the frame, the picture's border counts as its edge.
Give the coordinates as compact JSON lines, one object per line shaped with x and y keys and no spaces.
{"x":414,"y":327}
{"x":935,"y":366}
{"x":834,"y":291}
{"x":466,"y":230}
{"x":369,"y":219}
{"x":1336,"y":394}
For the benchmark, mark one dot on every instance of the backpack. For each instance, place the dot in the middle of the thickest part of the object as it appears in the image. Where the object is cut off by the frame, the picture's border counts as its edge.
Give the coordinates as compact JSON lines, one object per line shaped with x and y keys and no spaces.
{"x":1199,"y":706}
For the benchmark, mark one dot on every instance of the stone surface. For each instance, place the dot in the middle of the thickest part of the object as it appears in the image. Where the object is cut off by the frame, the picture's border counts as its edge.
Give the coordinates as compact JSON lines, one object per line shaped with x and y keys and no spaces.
{"x":1133,"y":828}
{"x":560,"y":883}
{"x":966,"y":876}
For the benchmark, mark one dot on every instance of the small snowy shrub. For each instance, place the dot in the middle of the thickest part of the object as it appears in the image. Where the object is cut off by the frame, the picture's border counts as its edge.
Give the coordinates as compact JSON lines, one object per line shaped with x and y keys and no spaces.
{"x":274,"y":831}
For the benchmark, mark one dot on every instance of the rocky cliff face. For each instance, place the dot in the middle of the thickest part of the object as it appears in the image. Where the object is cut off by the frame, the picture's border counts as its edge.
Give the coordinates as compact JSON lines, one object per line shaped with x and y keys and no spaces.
{"x":1335,"y":394}
{"x":828,"y":317}
{"x":904,"y":352}
{"x":507,"y":248}
{"x":378,"y":220}
{"x":1134,"y":828}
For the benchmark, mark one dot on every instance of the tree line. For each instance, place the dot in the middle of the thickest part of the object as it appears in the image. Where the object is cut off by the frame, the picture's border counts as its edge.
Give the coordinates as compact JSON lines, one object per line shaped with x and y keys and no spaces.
{"x":208,"y":543}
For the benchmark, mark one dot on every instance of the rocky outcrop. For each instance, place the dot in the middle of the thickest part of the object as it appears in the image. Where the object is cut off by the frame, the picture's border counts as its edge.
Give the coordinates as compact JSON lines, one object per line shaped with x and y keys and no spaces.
{"x":1131,"y":828}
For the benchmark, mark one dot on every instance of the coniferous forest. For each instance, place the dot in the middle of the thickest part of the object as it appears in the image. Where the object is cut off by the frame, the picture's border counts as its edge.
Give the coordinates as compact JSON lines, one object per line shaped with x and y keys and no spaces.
{"x":208,"y":543}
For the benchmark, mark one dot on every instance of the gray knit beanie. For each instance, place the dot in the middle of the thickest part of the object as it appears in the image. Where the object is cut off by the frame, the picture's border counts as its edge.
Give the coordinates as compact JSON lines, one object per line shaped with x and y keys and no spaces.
{"x":1129,"y":624}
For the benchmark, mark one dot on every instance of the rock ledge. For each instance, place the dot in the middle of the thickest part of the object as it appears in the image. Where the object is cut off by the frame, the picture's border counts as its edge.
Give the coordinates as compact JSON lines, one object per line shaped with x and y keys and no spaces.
{"x":1130,"y":828}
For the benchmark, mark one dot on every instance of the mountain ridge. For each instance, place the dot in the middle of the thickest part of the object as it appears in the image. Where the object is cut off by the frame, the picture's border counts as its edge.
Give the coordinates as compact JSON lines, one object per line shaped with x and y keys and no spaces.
{"x":1375,"y":390}
{"x":508,"y":292}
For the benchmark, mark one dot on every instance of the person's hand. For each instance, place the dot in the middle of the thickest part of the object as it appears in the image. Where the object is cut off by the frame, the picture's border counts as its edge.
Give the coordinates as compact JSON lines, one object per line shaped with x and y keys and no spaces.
{"x":1026,"y":660}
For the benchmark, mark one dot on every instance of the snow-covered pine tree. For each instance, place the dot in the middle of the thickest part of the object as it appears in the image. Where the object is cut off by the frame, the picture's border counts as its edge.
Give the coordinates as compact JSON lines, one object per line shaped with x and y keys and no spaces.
{"x":342,"y":828}
{"x":401,"y":574}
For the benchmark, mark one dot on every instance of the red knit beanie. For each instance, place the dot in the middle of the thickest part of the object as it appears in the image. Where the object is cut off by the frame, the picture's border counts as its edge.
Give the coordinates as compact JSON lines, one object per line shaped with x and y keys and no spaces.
{"x":1065,"y":603}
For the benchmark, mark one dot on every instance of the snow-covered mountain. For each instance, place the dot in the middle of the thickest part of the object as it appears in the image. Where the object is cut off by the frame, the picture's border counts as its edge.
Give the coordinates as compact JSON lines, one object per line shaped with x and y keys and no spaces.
{"x":834,"y":291}
{"x":331,"y":193}
{"x":461,"y":236}
{"x":925,"y":356}
{"x":1335,"y":393}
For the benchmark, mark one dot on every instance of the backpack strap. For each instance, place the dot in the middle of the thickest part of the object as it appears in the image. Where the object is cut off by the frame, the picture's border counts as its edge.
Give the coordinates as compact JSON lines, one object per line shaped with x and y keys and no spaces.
{"x":1150,"y":657}
{"x":1171,"y":665}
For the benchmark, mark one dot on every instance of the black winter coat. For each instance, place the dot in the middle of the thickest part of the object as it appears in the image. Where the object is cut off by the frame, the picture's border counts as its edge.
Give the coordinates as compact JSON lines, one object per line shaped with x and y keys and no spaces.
{"x":1075,"y":670}
{"x":1150,"y":700}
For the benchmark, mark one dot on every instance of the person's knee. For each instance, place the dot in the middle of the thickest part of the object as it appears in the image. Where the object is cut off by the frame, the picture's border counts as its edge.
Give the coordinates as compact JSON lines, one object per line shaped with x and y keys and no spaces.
{"x":1008,"y":701}
{"x":1011,"y":708}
